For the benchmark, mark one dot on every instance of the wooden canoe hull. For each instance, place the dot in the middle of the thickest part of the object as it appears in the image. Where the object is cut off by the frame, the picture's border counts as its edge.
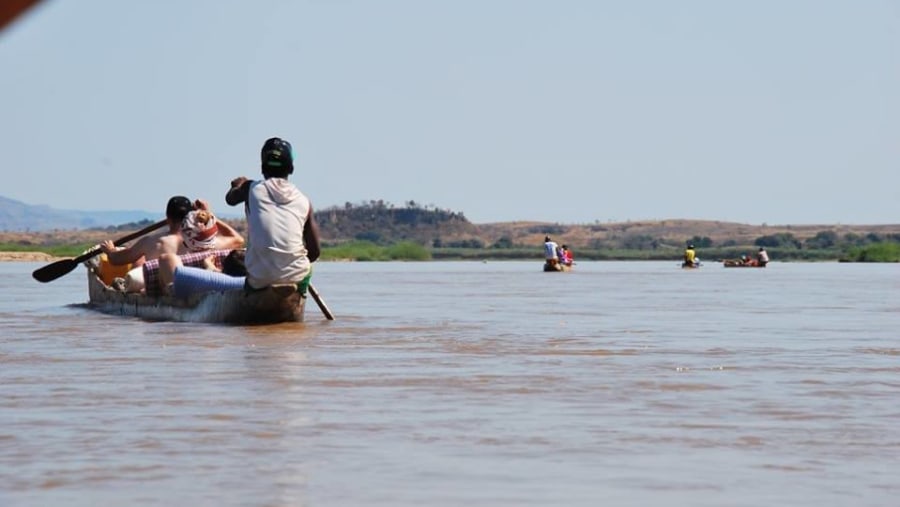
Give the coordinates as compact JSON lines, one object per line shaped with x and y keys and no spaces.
{"x":739,"y":264}
{"x":556,"y":268}
{"x":279,"y":303}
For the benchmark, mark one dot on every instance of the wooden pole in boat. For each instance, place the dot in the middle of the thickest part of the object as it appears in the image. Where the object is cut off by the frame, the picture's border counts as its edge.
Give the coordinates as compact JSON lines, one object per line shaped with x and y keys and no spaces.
{"x":320,"y":302}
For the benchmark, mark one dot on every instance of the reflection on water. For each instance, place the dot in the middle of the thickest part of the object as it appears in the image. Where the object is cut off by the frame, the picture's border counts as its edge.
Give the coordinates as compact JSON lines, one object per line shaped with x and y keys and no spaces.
{"x":467,"y":383}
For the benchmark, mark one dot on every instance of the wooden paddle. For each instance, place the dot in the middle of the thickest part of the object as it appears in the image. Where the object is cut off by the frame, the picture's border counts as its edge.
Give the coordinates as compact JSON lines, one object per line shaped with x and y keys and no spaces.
{"x":57,"y":269}
{"x":322,"y":305}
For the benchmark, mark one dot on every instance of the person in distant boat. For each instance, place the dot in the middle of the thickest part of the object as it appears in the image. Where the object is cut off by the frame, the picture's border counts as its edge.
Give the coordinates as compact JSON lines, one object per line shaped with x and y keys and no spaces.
{"x":566,"y":259}
{"x":746,"y":260}
{"x":762,"y":257}
{"x":690,"y":256}
{"x":200,"y":231}
{"x":152,"y":246}
{"x":283,"y":236}
{"x":551,"y":256}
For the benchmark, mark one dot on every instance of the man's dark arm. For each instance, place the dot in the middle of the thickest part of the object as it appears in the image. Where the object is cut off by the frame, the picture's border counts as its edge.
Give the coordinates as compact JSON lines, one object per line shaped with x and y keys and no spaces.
{"x":311,"y":236}
{"x":239,"y":192}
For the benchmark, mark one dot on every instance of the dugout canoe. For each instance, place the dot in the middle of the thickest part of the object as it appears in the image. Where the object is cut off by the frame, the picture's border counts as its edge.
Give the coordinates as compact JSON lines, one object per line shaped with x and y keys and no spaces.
{"x":556,"y":268}
{"x":278,"y":303}
{"x":729,"y":263}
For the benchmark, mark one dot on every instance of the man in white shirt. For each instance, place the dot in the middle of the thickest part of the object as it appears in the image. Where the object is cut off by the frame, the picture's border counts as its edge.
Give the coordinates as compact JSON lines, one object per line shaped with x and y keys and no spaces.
{"x":550,"y":248}
{"x":282,"y":234}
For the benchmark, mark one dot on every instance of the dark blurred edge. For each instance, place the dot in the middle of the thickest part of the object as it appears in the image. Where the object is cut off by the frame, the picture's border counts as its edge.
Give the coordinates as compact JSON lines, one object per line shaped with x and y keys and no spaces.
{"x":12,"y":9}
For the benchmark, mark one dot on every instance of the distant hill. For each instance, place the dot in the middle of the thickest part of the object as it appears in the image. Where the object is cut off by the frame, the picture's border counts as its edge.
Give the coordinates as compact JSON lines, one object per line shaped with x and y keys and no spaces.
{"x":19,"y":216}
{"x":381,"y":222}
{"x":432,"y":227}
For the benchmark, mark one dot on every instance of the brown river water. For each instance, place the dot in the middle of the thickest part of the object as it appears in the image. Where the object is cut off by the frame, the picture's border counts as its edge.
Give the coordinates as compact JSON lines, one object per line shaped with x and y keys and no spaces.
{"x":467,"y":383}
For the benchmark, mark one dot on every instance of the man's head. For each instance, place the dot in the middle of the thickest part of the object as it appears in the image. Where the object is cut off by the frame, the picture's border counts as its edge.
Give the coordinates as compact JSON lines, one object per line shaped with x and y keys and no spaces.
{"x":178,"y":208}
{"x":277,"y":158}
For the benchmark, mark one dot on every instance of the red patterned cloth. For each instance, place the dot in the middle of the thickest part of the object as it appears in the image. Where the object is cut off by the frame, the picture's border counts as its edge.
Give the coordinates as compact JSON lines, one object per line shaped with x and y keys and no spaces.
{"x":198,"y":230}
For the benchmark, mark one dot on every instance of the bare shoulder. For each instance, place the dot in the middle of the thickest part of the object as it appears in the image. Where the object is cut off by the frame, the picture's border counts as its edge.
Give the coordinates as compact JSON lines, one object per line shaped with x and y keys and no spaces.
{"x":146,"y":245}
{"x":169,"y":243}
{"x":229,"y":242}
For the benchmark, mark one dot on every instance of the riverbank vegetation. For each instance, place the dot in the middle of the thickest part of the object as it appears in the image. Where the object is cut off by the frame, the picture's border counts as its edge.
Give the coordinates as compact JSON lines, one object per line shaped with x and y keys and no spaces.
{"x":410,"y":251}
{"x":58,"y":250}
{"x":369,"y":251}
{"x":380,"y":231}
{"x":881,"y":252}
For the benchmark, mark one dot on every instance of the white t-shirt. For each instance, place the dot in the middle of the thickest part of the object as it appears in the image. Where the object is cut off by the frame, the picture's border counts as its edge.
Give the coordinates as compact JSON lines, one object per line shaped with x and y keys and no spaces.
{"x":276,"y":214}
{"x":550,"y":249}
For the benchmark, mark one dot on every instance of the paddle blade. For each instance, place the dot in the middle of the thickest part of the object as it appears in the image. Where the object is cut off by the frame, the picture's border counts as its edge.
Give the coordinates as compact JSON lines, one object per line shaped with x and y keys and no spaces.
{"x":55,"y":270}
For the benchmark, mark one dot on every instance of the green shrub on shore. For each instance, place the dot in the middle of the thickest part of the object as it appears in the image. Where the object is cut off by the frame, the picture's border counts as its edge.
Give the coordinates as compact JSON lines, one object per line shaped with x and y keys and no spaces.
{"x":54,"y":250}
{"x":368,"y":251}
{"x":354,"y":250}
{"x":878,"y":252}
{"x":407,"y":251}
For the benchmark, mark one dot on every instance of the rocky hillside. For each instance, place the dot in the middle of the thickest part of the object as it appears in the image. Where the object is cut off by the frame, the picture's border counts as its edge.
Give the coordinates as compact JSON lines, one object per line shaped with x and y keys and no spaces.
{"x":383,"y":223}
{"x":379,"y":222}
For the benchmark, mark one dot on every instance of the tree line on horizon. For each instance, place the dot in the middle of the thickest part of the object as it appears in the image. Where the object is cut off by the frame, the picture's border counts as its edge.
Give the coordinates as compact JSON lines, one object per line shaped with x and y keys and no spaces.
{"x":378,"y":224}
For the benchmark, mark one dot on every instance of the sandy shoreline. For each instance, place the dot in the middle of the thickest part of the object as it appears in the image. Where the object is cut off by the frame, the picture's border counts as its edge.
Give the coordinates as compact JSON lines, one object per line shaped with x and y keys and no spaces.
{"x":27,"y":257}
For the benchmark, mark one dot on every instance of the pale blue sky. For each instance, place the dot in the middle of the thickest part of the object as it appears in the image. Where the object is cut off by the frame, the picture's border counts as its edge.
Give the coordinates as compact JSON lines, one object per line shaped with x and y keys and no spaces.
{"x":772,"y":111}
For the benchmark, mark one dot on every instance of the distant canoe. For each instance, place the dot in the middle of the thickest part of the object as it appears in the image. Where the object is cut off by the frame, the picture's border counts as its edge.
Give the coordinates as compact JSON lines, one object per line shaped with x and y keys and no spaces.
{"x":736,"y":263}
{"x":278,"y":303}
{"x":556,"y":268}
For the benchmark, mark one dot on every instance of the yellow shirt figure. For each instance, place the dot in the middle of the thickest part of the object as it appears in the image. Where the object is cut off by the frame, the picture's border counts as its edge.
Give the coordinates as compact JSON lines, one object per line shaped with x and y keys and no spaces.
{"x":690,"y":255}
